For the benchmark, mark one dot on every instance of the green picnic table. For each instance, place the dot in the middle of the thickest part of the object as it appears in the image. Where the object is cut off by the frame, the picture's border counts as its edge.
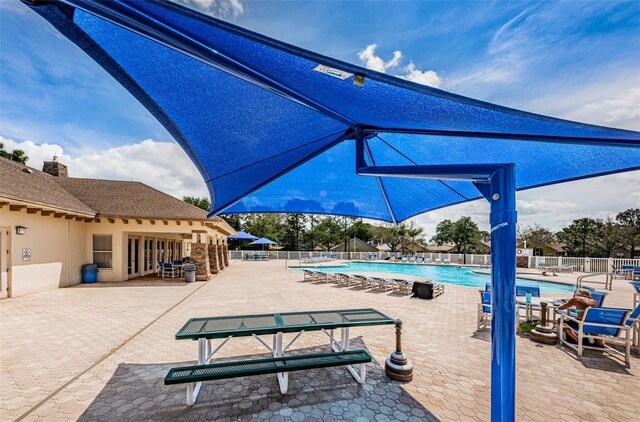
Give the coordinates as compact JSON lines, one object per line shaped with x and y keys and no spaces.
{"x":276,"y":324}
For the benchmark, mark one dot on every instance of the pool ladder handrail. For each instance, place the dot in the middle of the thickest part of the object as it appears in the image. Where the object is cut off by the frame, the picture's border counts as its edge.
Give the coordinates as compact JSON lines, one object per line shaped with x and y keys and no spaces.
{"x":608,"y":281}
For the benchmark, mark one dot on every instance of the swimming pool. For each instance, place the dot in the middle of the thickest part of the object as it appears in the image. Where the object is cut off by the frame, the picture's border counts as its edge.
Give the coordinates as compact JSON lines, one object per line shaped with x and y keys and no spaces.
{"x":450,"y":274}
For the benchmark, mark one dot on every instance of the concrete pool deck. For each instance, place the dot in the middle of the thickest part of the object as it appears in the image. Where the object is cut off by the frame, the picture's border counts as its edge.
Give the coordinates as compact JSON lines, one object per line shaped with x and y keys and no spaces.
{"x":100,"y":353}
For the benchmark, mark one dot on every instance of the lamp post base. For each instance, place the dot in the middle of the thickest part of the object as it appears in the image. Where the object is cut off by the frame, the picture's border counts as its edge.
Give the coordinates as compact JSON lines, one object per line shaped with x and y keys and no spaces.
{"x":398,"y":367}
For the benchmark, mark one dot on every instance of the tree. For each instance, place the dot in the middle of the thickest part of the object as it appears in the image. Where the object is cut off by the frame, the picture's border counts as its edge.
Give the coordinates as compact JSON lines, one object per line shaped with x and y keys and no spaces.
{"x":234,"y":220}
{"x":265,"y":225}
{"x":580,"y":237}
{"x":328,"y":232}
{"x":294,"y":228}
{"x":609,"y":237}
{"x":414,"y":234}
{"x":17,"y":155}
{"x":535,"y":236}
{"x":361,"y":230}
{"x":464,"y":234}
{"x":629,"y":221}
{"x":200,"y":202}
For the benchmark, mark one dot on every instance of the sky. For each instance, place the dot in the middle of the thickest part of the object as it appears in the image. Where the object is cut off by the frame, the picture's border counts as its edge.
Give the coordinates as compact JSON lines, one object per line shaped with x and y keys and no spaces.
{"x":528,"y":55}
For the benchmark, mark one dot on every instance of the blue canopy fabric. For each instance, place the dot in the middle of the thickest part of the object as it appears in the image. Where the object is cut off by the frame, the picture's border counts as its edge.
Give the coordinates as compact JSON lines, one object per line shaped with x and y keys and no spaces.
{"x":272,"y":130}
{"x":242,"y":236}
{"x":263,"y":241}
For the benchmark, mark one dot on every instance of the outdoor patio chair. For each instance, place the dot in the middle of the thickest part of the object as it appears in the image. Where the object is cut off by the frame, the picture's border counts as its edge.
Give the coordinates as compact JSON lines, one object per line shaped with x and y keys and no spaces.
{"x":606,"y":324}
{"x":635,"y":274}
{"x":598,"y":297}
{"x":427,"y":260}
{"x":419,"y":260}
{"x":412,"y":260}
{"x":446,"y":261}
{"x":169,"y":269}
{"x":634,"y":322}
{"x":484,"y":310}
{"x":402,"y":285}
{"x":377,"y":283}
{"x":636,"y":294}
{"x":438,"y":261}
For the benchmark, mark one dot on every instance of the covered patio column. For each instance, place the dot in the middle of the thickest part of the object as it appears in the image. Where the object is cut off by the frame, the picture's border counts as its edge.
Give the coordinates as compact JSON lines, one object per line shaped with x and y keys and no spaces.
{"x":225,"y":253}
{"x":221,"y":262}
{"x":213,"y":257}
{"x":200,"y":257}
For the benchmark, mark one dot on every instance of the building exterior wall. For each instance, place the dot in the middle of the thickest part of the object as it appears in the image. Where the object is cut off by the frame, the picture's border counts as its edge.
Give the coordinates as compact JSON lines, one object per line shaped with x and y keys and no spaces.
{"x":56,"y":247}
{"x":59,"y":247}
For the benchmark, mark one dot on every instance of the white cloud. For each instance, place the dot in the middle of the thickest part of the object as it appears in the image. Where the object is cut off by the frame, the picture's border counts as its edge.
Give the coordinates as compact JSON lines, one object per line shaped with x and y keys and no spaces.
{"x":553,"y":206}
{"x":428,"y":77}
{"x":371,"y":61}
{"x":163,"y":165}
{"x":613,"y":101}
{"x":218,"y":8}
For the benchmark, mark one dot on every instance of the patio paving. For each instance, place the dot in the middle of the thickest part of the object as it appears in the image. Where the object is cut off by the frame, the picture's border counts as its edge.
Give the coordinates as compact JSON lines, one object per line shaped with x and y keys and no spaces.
{"x":101,"y":353}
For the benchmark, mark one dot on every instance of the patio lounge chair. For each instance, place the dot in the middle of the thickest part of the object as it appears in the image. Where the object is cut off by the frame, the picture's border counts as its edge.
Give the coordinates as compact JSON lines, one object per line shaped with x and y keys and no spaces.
{"x":342,"y":279}
{"x":402,"y":285}
{"x":378,"y":283}
{"x":635,"y":274}
{"x":412,"y":259}
{"x":438,"y":261}
{"x":484,"y":310}
{"x":446,"y":261}
{"x":427,"y":260}
{"x":360,"y":280}
{"x":419,"y":260}
{"x":598,"y":323}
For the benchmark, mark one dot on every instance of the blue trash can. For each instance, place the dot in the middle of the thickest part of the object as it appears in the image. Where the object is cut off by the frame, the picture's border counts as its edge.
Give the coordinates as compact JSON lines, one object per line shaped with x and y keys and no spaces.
{"x":89,"y":273}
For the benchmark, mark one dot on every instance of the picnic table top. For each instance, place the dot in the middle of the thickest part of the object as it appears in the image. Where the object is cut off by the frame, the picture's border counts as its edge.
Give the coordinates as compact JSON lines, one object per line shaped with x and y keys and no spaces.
{"x":289,"y":322}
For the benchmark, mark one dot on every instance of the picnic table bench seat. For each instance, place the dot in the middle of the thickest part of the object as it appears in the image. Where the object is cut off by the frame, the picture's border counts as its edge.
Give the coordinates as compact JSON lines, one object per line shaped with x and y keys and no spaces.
{"x":223,"y":370}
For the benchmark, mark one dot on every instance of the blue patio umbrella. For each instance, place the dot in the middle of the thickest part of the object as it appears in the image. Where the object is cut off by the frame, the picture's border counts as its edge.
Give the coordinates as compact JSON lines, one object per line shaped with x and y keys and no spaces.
{"x":242,"y":236}
{"x":263,"y":241}
{"x":274,"y":128}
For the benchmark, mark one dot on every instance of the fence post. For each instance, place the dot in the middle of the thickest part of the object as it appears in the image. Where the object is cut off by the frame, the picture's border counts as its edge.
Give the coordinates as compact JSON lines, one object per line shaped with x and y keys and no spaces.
{"x":587,"y":265}
{"x":610,"y":265}
{"x":537,"y":261}
{"x":559,"y":261}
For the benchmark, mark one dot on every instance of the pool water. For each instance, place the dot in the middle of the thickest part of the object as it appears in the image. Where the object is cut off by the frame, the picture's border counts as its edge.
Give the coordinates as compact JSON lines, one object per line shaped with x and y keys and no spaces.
{"x":440,"y":273}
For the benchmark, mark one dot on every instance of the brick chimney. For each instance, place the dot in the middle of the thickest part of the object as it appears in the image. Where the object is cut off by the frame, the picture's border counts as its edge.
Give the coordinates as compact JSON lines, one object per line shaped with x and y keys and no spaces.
{"x":55,"y":168}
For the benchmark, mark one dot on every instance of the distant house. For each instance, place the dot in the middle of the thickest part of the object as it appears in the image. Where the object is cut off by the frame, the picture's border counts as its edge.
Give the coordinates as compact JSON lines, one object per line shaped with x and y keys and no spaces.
{"x":553,"y":249}
{"x":355,"y":245}
{"x":51,"y":224}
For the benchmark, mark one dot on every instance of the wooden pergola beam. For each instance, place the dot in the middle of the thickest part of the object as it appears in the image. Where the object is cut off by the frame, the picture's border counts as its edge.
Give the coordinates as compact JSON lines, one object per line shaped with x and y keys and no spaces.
{"x":17,"y":207}
{"x":46,"y":213}
{"x":58,"y":214}
{"x":33,"y":210}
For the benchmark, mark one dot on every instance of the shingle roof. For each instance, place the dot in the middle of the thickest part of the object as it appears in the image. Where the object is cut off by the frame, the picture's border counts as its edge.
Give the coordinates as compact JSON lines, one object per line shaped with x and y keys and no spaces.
{"x":27,"y":184}
{"x":95,"y":197}
{"x":124,"y":199}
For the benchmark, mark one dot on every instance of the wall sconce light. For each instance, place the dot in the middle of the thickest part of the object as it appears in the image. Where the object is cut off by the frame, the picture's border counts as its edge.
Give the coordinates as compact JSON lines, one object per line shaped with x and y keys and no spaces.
{"x":21,"y":230}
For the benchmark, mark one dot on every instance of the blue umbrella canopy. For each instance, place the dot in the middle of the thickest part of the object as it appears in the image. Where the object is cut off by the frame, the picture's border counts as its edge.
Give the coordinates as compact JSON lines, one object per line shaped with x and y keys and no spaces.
{"x":274,"y":128}
{"x":242,"y":236}
{"x":263,"y":241}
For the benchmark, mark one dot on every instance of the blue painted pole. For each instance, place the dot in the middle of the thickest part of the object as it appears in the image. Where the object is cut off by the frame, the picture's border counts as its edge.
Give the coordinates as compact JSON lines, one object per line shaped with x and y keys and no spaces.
{"x":503,"y":305}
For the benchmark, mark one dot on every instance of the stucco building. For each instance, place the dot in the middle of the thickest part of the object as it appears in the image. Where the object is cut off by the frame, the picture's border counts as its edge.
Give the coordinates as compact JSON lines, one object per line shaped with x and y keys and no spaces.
{"x":51,"y":224}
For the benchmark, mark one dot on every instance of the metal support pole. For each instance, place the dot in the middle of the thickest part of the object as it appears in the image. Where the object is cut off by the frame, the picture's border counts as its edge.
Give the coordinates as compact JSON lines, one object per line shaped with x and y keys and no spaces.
{"x":397,"y":366}
{"x":502,"y":196}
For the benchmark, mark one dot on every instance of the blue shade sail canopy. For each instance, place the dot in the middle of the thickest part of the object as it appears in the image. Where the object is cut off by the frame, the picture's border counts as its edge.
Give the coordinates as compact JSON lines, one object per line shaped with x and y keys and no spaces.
{"x":242,"y":236}
{"x":272,"y":127}
{"x":263,"y":241}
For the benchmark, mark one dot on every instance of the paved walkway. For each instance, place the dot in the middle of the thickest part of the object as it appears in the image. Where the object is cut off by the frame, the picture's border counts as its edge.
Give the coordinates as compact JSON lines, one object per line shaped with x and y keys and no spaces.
{"x":100,"y":353}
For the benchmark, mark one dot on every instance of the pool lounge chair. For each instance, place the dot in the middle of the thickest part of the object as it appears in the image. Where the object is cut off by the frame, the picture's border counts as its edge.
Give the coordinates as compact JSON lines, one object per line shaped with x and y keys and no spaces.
{"x":377,"y":283}
{"x":606,"y":324}
{"x":634,"y":322}
{"x":446,"y":261}
{"x":427,"y":260}
{"x":419,"y":260}
{"x":402,"y":285}
{"x":438,"y":261}
{"x":484,"y":310}
{"x":359,"y":280}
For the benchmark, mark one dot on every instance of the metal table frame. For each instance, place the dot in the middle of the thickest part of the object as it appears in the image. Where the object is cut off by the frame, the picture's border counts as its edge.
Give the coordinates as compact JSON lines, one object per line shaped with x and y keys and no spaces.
{"x":206,"y":350}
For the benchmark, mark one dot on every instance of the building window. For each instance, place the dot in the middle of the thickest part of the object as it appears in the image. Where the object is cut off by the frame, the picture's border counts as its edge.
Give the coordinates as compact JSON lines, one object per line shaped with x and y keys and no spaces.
{"x":102,"y":250}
